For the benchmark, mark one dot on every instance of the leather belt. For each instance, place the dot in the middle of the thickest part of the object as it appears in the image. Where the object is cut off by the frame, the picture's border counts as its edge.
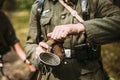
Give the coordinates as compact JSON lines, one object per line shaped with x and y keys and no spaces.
{"x":69,"y":53}
{"x":81,"y":55}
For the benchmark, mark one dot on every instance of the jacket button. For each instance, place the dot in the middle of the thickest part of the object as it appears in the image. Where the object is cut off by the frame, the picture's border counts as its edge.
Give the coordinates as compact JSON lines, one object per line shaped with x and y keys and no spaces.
{"x":65,"y":62}
{"x":63,"y":17}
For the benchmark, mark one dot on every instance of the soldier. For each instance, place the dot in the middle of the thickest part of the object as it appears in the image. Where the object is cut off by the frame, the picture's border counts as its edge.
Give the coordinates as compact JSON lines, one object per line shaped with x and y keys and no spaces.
{"x":82,"y":60}
{"x":100,"y":35}
{"x":8,"y":38}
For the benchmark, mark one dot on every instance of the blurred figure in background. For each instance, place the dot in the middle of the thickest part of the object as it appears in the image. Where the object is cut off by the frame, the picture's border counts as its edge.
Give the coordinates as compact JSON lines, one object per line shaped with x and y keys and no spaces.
{"x":9,"y":39}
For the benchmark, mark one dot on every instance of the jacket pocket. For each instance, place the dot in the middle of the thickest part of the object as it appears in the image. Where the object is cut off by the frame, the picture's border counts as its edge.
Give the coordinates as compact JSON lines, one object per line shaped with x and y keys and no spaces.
{"x":46,"y":17}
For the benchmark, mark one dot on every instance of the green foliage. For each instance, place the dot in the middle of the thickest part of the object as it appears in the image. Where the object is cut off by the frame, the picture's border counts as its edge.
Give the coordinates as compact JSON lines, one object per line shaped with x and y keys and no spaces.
{"x":18,"y":4}
{"x":24,"y":4}
{"x":20,"y":20}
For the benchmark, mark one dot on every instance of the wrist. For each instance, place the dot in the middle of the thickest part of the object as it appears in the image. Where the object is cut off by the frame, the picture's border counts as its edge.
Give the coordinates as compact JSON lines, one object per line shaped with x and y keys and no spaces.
{"x":77,"y":28}
{"x":26,"y":61}
{"x":80,"y":28}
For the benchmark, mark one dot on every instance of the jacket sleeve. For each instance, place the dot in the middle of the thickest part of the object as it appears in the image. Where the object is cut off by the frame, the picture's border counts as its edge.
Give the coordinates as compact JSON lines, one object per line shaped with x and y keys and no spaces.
{"x":31,"y":43}
{"x":105,"y":27}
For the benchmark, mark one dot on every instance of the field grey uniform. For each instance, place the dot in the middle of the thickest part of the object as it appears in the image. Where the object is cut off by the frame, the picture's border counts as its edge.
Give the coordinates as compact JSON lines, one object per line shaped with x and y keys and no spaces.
{"x":105,"y":14}
{"x":104,"y":34}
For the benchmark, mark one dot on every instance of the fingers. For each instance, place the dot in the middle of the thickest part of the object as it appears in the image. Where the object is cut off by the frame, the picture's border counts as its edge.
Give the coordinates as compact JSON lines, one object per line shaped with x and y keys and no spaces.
{"x":62,"y":31}
{"x":56,"y":32}
{"x":38,"y":51}
{"x":59,"y":32}
{"x":42,"y":47}
{"x":31,"y":67}
{"x":49,"y":35}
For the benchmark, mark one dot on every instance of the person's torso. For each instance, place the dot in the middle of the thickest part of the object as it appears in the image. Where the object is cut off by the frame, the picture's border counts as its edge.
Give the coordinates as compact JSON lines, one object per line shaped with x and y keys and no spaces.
{"x":56,"y":14}
{"x":4,"y":47}
{"x":4,"y":31}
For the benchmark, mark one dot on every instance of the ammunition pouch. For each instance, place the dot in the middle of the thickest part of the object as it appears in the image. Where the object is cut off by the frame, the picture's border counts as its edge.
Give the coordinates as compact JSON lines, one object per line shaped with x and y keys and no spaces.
{"x":84,"y":52}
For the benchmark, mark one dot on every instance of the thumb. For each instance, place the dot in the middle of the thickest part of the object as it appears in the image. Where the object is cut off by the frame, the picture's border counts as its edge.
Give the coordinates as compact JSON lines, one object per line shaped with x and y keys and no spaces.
{"x":49,"y":35}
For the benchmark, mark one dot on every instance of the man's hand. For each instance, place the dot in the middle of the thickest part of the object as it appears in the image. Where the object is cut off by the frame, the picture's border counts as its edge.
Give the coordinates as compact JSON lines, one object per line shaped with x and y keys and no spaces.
{"x":62,"y":31}
{"x":42,"y":47}
{"x":31,"y":67}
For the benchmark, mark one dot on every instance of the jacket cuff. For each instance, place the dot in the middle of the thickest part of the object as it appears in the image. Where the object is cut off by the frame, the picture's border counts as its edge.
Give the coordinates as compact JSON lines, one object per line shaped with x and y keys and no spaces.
{"x":89,"y":31}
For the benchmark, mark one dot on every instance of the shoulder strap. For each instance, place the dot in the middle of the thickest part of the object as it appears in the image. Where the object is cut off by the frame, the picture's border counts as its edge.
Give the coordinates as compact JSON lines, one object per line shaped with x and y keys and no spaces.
{"x":39,"y":11}
{"x":72,"y":11}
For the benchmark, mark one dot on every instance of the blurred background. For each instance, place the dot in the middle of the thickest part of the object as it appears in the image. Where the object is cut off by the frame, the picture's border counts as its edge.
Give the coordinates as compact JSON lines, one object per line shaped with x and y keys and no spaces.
{"x":18,"y":12}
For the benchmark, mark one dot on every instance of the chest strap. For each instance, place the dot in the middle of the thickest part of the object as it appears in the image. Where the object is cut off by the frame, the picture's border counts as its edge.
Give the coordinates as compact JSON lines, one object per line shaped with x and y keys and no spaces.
{"x":39,"y":11}
{"x":73,"y":12}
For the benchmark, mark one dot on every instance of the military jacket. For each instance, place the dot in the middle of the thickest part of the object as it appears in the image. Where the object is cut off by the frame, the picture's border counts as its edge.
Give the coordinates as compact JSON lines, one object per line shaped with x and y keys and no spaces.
{"x":107,"y":33}
{"x":101,"y":13}
{"x":104,"y":34}
{"x":7,"y":34}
